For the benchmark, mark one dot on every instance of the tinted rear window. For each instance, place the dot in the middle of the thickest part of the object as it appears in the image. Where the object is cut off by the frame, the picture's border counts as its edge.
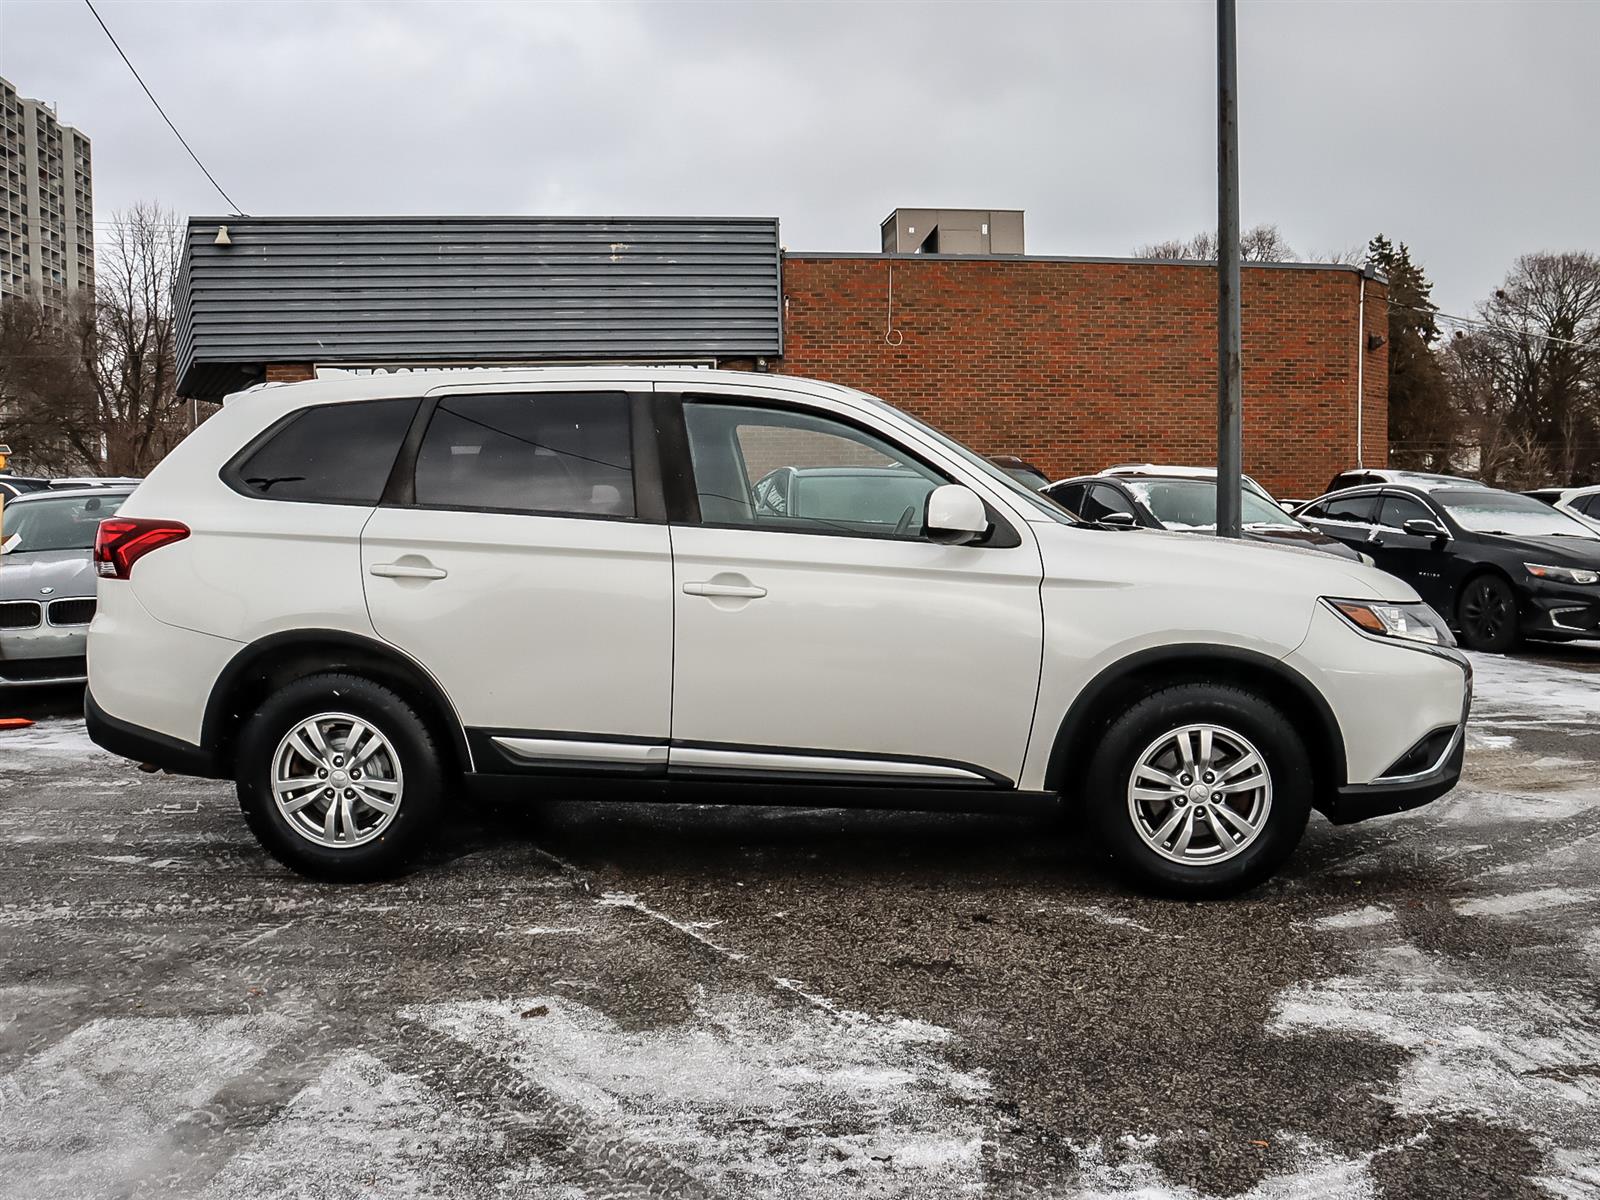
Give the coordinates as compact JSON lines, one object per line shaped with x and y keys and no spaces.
{"x":335,"y":454}
{"x":546,"y":452}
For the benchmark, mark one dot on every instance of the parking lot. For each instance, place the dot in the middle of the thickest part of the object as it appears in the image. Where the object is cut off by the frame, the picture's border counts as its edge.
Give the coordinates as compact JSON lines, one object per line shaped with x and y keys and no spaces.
{"x":587,"y":1000}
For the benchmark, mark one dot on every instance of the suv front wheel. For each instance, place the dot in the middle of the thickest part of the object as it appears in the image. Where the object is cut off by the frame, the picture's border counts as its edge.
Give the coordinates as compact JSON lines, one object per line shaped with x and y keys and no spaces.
{"x":339,"y":778}
{"x":1200,"y":790}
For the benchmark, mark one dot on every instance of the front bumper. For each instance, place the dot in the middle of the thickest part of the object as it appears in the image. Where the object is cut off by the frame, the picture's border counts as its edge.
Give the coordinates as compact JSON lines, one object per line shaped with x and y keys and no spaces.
{"x":43,"y":656}
{"x":1396,"y":791}
{"x":1563,"y":610}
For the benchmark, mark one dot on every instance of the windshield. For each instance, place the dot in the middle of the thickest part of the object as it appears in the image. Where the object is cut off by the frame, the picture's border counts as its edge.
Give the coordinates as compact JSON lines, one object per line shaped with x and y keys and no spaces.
{"x":68,"y":523}
{"x":1035,"y":500}
{"x":1484,"y":511}
{"x":1192,"y":504}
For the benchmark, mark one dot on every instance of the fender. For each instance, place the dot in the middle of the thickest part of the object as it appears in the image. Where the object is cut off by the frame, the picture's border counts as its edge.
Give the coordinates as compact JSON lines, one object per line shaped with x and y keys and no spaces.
{"x":220,"y":721}
{"x":1146,"y":667}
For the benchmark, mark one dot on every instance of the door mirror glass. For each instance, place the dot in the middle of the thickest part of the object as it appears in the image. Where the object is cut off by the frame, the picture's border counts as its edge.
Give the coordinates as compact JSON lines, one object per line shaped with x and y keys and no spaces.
{"x":1425,"y":527}
{"x":1119,"y":520}
{"x":955,"y":515}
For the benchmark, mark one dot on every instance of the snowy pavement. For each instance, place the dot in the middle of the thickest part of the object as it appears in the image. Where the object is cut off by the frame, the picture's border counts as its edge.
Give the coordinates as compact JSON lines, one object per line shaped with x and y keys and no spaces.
{"x":586,"y":1000}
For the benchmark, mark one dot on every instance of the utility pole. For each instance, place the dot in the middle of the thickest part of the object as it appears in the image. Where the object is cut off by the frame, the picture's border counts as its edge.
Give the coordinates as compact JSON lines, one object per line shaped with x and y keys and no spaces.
{"x":1230,"y":441}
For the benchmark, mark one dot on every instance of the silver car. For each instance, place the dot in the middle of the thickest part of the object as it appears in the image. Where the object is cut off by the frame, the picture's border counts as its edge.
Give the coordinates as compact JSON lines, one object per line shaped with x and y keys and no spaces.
{"x":47,"y":582}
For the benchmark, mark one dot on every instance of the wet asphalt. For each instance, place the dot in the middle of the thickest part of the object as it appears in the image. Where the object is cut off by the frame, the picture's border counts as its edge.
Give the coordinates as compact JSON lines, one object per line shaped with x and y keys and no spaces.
{"x":571,"y":999}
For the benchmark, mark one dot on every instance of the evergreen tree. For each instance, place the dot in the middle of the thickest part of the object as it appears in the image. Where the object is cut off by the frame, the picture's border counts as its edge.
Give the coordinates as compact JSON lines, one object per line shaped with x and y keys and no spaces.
{"x":1421,"y":425}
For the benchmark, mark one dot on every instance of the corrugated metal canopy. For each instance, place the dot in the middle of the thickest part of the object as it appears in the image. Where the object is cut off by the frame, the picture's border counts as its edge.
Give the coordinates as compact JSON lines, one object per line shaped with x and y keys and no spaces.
{"x":471,"y":289}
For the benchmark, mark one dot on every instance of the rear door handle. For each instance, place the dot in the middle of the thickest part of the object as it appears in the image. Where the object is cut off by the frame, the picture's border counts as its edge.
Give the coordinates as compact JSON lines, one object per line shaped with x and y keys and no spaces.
{"x":396,"y":570}
{"x":741,"y":591}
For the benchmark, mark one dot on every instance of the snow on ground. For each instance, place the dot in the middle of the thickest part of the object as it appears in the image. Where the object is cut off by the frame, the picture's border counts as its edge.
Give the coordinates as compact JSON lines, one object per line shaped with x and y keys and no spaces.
{"x":55,"y":739}
{"x":82,"y":1117}
{"x":362,"y":1130}
{"x":752,"y":1097}
{"x":1511,"y":691}
{"x":1360,"y":918}
{"x":1128,"y":1174}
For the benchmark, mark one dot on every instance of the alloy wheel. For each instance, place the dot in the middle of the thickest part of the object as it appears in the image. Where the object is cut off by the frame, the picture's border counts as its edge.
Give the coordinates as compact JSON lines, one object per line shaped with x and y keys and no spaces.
{"x":336,"y":780}
{"x":1200,"y":794}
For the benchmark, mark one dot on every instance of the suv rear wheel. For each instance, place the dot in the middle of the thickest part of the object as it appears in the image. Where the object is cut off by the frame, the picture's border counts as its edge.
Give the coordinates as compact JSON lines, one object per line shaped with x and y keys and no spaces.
{"x":1200,"y":790}
{"x":339,"y":778}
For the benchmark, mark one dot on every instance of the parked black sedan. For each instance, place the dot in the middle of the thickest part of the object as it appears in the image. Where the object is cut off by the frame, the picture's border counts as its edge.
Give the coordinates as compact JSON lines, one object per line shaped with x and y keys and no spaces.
{"x":1497,"y":566}
{"x":1184,"y":504}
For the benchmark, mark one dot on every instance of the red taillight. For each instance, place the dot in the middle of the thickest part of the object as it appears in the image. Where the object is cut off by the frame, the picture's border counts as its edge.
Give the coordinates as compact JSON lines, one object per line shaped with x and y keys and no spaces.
{"x":123,"y":541}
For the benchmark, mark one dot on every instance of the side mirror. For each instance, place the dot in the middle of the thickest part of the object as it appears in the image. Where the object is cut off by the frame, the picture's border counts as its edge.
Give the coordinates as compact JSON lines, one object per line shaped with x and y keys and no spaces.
{"x":954,"y":516}
{"x":1426,"y":528}
{"x":1118,"y":520}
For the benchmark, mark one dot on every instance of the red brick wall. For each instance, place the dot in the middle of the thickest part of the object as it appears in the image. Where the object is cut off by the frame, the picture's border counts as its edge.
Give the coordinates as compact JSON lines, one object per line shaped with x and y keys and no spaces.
{"x":1077,"y":365}
{"x":290,"y":372}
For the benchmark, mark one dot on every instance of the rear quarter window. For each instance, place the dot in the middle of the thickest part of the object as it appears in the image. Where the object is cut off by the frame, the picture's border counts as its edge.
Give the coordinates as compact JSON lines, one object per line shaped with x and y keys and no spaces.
{"x":331,"y":454}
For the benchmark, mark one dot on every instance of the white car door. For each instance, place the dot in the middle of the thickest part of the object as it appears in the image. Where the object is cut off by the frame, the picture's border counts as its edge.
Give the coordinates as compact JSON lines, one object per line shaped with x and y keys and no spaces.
{"x":528,"y":567}
{"x":819,"y":634}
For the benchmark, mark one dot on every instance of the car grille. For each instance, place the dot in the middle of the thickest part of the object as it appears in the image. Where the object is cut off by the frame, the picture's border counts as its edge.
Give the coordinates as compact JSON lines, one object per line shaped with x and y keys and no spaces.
{"x":19,"y":614}
{"x":71,"y":612}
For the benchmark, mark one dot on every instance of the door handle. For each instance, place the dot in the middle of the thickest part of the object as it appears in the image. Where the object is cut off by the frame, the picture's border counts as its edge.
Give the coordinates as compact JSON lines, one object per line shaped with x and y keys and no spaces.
{"x":740,"y":591}
{"x":396,"y":570}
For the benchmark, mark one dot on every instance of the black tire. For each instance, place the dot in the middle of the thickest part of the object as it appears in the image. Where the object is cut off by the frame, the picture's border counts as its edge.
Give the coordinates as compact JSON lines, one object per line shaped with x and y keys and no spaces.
{"x":413,"y":744}
{"x":1231,"y":709}
{"x":1486,"y":615}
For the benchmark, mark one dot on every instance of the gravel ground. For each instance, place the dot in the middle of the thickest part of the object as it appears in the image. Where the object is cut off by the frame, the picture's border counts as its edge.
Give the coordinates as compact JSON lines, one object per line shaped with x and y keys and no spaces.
{"x":583,"y":1000}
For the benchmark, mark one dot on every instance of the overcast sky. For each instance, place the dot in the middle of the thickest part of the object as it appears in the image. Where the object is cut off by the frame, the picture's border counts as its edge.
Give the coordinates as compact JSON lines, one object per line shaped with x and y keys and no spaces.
{"x":1470,"y":131}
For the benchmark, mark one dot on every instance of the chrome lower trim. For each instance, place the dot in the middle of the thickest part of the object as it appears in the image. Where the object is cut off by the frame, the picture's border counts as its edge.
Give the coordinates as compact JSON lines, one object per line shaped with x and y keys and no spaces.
{"x":537,"y":750}
{"x":819,"y":764}
{"x":1555,"y":618}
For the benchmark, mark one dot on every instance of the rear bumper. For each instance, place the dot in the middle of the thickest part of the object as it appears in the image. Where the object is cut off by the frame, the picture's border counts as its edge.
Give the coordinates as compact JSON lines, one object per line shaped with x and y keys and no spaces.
{"x":146,"y":745}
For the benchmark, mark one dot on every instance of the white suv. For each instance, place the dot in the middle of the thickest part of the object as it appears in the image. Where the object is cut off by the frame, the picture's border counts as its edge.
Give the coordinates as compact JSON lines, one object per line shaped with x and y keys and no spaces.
{"x":359,"y":597}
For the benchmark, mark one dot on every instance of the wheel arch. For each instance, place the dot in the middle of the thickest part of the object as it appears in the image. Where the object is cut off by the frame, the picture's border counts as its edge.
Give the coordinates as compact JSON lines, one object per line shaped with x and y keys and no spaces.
{"x":1128,"y":679}
{"x":265,"y":665}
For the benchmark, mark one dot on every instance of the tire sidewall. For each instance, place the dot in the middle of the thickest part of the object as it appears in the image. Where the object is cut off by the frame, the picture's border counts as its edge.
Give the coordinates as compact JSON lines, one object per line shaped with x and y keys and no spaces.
{"x":389,"y":714}
{"x":1189,"y":704}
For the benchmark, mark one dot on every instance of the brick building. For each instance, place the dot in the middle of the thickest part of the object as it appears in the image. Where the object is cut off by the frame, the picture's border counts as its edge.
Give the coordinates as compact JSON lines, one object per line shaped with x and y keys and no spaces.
{"x":1076,"y":364}
{"x":1071,"y":363}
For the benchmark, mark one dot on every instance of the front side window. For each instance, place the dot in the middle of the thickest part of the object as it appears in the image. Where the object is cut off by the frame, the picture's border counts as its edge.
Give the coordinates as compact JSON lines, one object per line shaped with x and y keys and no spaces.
{"x":1397,"y":510}
{"x":801,"y":472}
{"x":1102,"y":501}
{"x":552,"y":453}
{"x":333,"y":454}
{"x":68,"y":523}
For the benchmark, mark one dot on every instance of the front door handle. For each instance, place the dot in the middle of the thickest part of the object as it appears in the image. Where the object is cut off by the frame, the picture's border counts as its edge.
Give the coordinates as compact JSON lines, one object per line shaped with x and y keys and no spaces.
{"x":710,"y":587}
{"x":397,"y":570}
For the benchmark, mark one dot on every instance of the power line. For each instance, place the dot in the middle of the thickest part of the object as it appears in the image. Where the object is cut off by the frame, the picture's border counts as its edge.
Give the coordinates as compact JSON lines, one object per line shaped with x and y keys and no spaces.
{"x":1487,"y":327}
{"x":237,"y":211}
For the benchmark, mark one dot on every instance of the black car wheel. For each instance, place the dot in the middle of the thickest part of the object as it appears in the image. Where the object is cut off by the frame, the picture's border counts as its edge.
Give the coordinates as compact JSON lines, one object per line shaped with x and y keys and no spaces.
{"x":1487,"y":615}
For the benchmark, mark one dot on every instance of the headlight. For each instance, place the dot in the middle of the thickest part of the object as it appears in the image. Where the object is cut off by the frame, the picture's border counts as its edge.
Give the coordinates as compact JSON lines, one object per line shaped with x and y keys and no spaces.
{"x":1562,"y":574}
{"x":1406,"y":622}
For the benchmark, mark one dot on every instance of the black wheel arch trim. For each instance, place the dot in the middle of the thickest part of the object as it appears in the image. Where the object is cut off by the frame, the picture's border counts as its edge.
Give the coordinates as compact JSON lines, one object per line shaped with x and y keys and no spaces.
{"x":1083,"y":706}
{"x":218,"y":719}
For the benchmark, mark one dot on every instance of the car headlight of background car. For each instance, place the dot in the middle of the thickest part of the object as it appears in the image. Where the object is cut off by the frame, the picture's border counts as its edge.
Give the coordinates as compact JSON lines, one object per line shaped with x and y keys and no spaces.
{"x":1403,"y":622}
{"x":1562,"y":574}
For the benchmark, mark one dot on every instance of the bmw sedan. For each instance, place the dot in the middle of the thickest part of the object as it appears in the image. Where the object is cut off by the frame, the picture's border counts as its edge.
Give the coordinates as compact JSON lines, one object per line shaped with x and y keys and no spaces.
{"x":1499,"y":566}
{"x":47,"y":582}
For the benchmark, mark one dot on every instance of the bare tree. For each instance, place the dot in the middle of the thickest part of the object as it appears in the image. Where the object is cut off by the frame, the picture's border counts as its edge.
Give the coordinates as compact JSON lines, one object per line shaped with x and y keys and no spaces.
{"x":1262,"y":243}
{"x":1544,"y":326}
{"x":95,"y":389}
